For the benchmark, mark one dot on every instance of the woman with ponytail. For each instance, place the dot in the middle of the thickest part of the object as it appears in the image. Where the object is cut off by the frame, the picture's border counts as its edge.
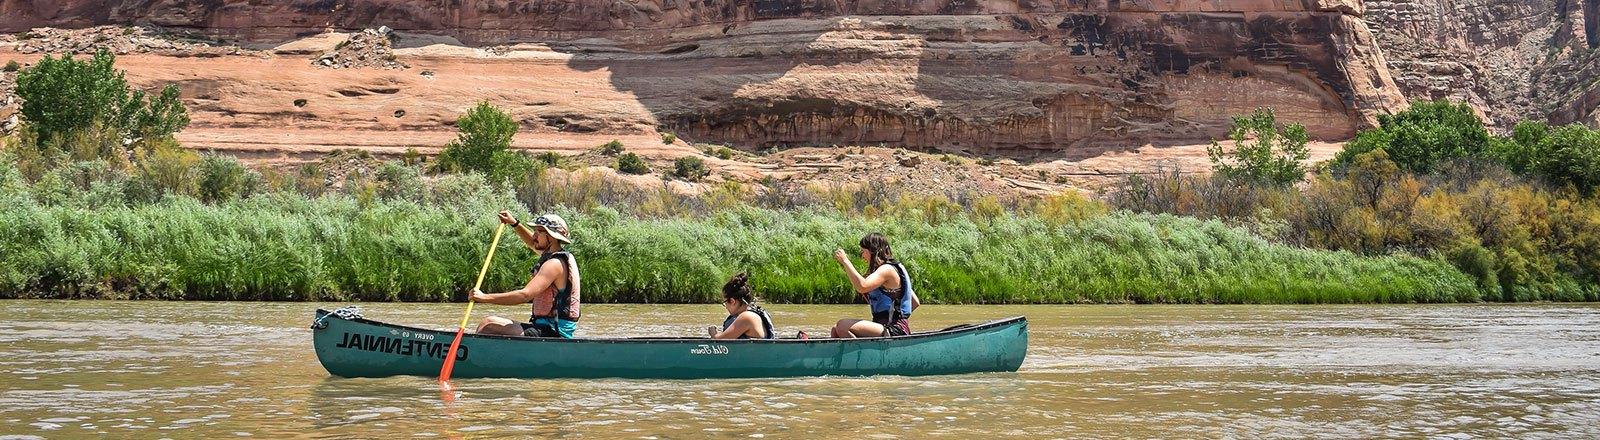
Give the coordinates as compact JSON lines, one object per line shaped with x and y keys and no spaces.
{"x":745,"y":320}
{"x":887,"y":289}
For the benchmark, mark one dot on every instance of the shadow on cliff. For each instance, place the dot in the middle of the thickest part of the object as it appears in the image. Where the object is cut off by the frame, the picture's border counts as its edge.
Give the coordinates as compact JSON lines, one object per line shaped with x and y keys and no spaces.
{"x":1089,"y":87}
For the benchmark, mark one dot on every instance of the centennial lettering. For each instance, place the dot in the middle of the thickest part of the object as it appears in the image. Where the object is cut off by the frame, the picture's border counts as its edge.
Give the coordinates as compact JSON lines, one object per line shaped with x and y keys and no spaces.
{"x":403,"y":347}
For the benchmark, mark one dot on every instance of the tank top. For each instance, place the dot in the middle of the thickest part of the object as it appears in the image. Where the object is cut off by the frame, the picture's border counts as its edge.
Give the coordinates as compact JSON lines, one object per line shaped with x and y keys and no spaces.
{"x":560,"y":303}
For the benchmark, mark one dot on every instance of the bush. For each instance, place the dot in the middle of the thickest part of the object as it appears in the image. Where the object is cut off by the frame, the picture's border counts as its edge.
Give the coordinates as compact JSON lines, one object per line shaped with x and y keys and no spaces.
{"x":11,"y":66}
{"x":514,"y":166}
{"x":690,"y":168}
{"x":632,"y":164}
{"x":1422,"y":137}
{"x":1274,"y":156}
{"x":61,"y":96}
{"x":398,"y":181}
{"x":168,"y":168}
{"x":550,"y":159}
{"x":311,"y":180}
{"x":612,"y":148}
{"x":221,"y":178}
{"x":483,"y":132}
{"x":1563,"y":156}
{"x":668,"y":138}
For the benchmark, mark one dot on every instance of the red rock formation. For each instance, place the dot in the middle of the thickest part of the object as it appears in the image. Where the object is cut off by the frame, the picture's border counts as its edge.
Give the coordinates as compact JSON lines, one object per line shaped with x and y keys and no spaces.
{"x":963,"y":74}
{"x":1512,"y":59}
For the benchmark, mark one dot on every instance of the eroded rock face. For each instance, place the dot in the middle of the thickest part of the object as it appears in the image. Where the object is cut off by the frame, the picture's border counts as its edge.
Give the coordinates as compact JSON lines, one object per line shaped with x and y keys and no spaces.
{"x":956,"y":74}
{"x":1511,"y":59}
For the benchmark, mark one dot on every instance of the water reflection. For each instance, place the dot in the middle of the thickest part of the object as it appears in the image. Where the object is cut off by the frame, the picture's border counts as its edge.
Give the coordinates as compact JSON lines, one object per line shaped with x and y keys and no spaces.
{"x":148,"y":369}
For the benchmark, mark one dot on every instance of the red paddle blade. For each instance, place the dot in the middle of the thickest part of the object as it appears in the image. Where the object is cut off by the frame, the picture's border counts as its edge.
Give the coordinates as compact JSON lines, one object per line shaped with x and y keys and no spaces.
{"x":450,"y":358}
{"x":447,"y":392}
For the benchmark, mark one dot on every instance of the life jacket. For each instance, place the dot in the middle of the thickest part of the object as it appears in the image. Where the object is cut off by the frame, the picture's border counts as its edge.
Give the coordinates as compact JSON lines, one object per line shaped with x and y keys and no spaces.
{"x":888,"y":305}
{"x":559,"y":303}
{"x":766,"y":322}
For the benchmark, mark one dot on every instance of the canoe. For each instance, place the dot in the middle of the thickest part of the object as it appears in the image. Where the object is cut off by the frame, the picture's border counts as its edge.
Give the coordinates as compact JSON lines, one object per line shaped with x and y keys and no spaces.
{"x":350,"y":346}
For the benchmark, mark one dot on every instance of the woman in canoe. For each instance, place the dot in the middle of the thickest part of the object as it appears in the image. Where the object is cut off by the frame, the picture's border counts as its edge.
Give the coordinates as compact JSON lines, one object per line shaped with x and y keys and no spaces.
{"x":887,"y":289}
{"x":745,"y":320}
{"x":553,"y":288}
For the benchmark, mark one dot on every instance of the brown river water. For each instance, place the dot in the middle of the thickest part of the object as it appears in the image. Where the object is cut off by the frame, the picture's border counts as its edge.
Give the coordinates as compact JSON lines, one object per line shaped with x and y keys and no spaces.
{"x":74,"y":369}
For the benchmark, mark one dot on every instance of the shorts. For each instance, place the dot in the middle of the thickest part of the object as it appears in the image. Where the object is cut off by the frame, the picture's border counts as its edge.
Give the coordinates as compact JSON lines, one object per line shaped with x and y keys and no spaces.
{"x":543,"y":328}
{"x":900,"y":327}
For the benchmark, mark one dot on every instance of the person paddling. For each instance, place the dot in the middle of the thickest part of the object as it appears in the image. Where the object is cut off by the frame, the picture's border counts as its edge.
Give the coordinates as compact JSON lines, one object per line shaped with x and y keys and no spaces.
{"x":553,"y":288}
{"x":887,"y":289}
{"x":745,"y":320}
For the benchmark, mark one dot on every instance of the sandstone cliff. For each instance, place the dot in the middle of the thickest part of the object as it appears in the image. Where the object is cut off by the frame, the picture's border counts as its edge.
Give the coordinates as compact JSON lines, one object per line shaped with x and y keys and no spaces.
{"x":1512,"y":59}
{"x":1062,"y":77}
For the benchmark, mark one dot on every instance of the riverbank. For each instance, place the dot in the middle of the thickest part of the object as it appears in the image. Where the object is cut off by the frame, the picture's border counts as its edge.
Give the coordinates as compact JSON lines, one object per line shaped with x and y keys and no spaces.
{"x":653,"y":247}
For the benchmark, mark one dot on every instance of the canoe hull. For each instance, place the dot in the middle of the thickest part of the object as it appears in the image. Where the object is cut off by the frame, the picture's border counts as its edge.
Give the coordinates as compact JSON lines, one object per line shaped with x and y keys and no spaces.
{"x":365,"y":348}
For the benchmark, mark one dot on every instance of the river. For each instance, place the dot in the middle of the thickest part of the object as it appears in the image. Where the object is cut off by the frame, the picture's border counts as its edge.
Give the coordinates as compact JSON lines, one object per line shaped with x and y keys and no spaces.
{"x":192,"y":369}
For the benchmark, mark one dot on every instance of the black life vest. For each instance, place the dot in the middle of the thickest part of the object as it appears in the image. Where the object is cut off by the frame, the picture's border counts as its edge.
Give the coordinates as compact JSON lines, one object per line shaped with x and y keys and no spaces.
{"x":766,"y":322}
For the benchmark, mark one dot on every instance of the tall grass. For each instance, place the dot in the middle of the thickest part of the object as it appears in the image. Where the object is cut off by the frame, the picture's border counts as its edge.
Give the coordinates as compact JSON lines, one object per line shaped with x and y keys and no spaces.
{"x":287,"y":246}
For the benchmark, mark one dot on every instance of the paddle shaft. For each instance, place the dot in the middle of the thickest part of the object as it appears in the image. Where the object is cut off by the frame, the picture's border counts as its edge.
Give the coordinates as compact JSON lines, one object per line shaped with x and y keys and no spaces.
{"x":450,"y":358}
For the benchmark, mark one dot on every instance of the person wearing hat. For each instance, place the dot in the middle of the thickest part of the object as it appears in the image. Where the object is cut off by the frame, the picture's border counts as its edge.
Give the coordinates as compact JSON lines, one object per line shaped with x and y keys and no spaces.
{"x":553,"y":288}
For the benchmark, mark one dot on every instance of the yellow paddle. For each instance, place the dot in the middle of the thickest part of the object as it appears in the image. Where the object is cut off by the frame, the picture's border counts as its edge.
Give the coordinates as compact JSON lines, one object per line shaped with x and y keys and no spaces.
{"x":450,"y":359}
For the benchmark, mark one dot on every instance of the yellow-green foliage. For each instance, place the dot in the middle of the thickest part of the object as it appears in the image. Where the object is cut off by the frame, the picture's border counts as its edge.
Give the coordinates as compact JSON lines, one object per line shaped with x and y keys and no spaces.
{"x":657,"y":246}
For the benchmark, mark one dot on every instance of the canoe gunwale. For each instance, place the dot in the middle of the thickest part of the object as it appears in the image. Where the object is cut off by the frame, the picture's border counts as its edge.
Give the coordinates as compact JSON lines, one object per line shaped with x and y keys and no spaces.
{"x":320,"y":313}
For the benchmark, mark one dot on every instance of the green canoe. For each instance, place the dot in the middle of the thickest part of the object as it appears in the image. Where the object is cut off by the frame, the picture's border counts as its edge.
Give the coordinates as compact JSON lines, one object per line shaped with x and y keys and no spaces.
{"x":350,"y":346}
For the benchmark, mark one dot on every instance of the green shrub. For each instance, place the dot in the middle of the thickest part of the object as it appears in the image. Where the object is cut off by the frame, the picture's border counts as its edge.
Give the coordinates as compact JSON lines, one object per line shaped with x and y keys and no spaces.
{"x":550,"y":159}
{"x":168,"y":168}
{"x":612,"y":148}
{"x":515,"y":166}
{"x":1562,"y":156}
{"x":398,"y":181}
{"x":690,"y":168}
{"x":668,"y":138}
{"x":1423,"y":137}
{"x":11,"y":66}
{"x":632,"y":164}
{"x":64,"y":95}
{"x":483,"y":132}
{"x":1264,"y":152}
{"x":311,"y":180}
{"x":221,"y":178}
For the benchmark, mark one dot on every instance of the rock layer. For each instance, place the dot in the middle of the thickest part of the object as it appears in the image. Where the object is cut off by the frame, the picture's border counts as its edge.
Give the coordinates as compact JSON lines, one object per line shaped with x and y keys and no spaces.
{"x":979,"y":75}
{"x":1511,"y":59}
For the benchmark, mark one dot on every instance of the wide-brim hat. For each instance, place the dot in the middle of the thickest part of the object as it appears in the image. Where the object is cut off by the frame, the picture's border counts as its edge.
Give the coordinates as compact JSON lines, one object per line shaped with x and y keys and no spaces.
{"x":553,"y":225}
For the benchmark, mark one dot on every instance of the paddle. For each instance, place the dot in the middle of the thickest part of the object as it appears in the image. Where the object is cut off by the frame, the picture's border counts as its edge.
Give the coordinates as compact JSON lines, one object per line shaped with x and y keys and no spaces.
{"x":450,"y":359}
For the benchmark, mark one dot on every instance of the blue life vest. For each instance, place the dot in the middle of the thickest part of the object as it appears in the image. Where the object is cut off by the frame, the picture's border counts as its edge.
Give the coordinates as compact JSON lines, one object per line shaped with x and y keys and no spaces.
{"x":766,"y":322}
{"x":884,"y":301}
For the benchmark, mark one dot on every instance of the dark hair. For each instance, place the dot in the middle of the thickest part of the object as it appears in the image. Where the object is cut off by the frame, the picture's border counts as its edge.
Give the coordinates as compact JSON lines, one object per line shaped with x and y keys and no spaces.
{"x":878,"y":246}
{"x":738,"y":287}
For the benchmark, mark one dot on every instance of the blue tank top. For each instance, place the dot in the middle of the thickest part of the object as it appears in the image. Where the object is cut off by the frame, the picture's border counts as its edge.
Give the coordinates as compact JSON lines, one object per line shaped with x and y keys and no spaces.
{"x":766,"y":322}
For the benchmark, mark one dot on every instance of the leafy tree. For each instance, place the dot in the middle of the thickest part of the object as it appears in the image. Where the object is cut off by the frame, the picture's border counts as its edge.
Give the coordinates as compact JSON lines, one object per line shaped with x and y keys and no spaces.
{"x":1570,"y":155}
{"x":1422,"y":137}
{"x":61,"y":96}
{"x":1264,"y":152}
{"x":484,"y":132}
